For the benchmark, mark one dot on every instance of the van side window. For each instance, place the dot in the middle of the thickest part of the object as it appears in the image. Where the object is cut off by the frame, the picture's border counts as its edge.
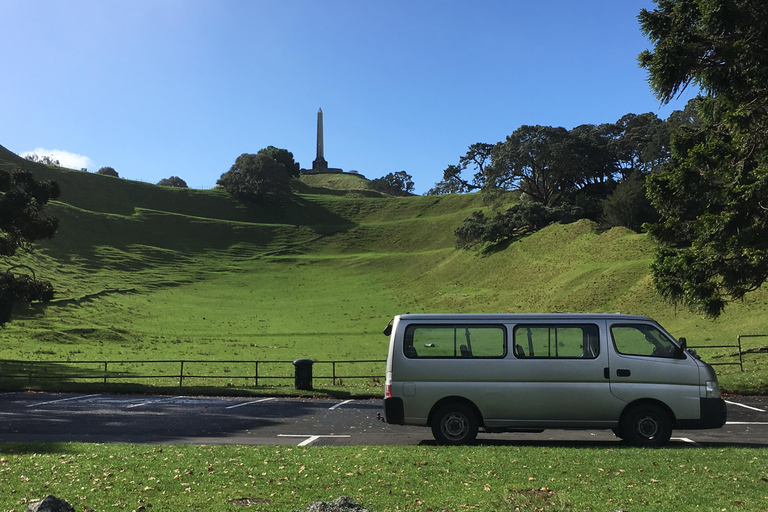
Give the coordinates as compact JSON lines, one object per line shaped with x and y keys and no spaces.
{"x":570,"y":341}
{"x":459,"y":341}
{"x":642,"y":340}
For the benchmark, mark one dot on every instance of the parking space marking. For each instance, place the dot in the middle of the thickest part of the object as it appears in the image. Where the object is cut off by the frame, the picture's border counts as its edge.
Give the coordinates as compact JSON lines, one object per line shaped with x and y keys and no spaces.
{"x":340,"y":404}
{"x":63,"y":400}
{"x":746,"y":422}
{"x":309,"y":439}
{"x":745,"y":406}
{"x":249,"y":403}
{"x":686,"y":440}
{"x":154,"y":402}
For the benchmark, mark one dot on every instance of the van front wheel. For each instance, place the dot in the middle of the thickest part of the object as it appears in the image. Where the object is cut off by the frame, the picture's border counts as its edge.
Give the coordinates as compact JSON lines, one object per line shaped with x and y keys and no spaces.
{"x":647,"y":425}
{"x":454,"y":424}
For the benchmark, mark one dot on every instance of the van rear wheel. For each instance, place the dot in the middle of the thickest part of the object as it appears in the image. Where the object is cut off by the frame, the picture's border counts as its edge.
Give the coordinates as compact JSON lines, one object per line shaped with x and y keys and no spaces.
{"x":454,"y":424}
{"x":647,"y":425}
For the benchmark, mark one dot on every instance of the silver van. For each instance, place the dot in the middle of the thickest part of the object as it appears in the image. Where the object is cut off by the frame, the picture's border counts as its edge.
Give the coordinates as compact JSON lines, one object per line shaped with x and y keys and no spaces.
{"x":461,"y":373}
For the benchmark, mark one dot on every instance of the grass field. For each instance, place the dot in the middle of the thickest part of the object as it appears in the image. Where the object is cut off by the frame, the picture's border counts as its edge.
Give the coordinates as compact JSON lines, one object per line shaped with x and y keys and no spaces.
{"x":536,"y":478}
{"x":148,"y":272}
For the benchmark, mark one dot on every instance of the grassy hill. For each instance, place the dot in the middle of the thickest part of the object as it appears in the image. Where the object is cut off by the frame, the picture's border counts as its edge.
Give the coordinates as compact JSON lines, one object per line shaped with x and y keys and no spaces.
{"x":149,"y":272}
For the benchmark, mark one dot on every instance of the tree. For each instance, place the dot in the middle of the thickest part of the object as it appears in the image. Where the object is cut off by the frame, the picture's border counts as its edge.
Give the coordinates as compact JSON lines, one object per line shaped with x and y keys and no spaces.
{"x":258,"y":178}
{"x":518,"y":220}
{"x":479,"y":156}
{"x":713,"y":232}
{"x":548,"y":163}
{"x":42,"y":159}
{"x":285,"y":157}
{"x":173,"y":181}
{"x":108,"y":171}
{"x":22,"y":199}
{"x":396,"y":184}
{"x":628,"y":205}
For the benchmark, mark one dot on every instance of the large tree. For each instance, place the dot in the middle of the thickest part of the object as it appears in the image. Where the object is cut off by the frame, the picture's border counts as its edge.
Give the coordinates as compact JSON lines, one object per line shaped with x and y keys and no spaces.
{"x":713,"y":193}
{"x":258,"y":178}
{"x":22,"y":222}
{"x":285,"y":157}
{"x":398,"y":183}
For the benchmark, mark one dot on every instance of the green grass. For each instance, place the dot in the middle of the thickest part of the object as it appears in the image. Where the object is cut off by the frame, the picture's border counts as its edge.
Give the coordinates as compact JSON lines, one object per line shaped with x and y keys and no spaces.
{"x":281,"y":478}
{"x":148,"y":272}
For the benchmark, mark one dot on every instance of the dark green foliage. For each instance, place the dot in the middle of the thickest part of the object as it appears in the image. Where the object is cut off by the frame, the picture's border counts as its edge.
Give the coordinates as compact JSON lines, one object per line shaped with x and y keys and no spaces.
{"x":479,"y":156}
{"x":173,"y":181}
{"x":108,"y":171}
{"x":396,"y":184}
{"x":519,"y":220}
{"x":548,"y":163}
{"x":258,"y":178}
{"x":628,"y":205}
{"x":285,"y":157}
{"x":712,"y":195}
{"x":22,"y":199}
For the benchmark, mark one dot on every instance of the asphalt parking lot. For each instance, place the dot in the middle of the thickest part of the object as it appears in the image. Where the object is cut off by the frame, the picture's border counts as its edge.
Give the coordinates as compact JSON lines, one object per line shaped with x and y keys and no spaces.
{"x":103,"y":418}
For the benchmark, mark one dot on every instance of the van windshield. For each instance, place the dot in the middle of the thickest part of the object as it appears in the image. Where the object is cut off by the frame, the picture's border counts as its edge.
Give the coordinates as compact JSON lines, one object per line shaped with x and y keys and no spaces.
{"x":643,"y":340}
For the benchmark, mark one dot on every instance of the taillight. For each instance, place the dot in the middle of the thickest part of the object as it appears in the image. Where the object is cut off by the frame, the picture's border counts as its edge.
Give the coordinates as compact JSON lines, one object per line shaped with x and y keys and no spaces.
{"x":388,"y":391}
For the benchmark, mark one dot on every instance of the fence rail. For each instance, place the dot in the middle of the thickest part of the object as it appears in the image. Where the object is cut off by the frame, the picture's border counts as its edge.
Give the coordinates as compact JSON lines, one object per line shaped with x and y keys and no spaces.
{"x":737,"y":346}
{"x":179,"y":370}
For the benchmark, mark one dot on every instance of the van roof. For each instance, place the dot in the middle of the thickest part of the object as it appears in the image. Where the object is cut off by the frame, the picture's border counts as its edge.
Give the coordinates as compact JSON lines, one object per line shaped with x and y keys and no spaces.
{"x":517,"y":317}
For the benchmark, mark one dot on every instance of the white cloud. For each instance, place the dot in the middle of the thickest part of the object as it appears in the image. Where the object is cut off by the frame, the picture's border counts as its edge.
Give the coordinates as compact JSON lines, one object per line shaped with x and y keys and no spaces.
{"x":65,"y":158}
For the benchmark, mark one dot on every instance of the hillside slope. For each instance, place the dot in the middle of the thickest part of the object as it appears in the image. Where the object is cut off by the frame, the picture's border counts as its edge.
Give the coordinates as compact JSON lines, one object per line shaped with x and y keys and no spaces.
{"x":143,"y":271}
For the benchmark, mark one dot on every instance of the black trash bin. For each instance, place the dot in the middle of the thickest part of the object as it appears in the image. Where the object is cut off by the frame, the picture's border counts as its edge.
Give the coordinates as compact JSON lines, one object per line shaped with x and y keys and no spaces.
{"x":303,"y":373}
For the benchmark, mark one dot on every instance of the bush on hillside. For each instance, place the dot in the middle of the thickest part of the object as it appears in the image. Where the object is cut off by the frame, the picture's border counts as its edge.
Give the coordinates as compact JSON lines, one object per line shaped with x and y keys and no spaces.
{"x":395,"y":183}
{"x":22,"y":199}
{"x":258,"y":178}
{"x":629,"y":205}
{"x":108,"y":171}
{"x":173,"y":181}
{"x":519,"y":220}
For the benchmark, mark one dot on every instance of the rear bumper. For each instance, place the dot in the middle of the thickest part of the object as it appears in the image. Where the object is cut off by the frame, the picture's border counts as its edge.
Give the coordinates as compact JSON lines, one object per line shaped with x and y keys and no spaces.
{"x":713,"y":415}
{"x":393,"y":411}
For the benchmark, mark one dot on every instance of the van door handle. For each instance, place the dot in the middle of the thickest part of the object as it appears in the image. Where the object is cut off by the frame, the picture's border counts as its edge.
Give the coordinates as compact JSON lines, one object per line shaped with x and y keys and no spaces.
{"x":607,"y":373}
{"x":623,"y":373}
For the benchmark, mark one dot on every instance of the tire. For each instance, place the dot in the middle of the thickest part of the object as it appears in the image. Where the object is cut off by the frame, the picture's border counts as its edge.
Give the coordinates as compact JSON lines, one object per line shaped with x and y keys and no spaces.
{"x":646,"y":425}
{"x":454,"y":424}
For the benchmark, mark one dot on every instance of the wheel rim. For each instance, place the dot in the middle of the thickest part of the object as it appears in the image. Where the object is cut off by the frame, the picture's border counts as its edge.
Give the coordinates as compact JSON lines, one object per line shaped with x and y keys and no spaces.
{"x":455,"y":426}
{"x":647,"y":427}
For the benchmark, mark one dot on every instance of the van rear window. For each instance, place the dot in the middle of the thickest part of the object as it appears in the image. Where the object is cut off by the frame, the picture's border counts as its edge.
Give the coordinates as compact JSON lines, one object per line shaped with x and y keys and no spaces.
{"x":569,"y":341}
{"x":455,"y":341}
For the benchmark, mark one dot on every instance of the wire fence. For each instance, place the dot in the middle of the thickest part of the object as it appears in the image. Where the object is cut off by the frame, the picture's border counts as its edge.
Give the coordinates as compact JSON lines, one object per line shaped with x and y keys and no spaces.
{"x":187,"y":372}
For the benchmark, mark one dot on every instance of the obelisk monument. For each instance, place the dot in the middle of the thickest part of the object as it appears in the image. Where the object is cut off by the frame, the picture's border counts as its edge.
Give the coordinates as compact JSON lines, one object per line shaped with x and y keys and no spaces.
{"x":320,"y":165}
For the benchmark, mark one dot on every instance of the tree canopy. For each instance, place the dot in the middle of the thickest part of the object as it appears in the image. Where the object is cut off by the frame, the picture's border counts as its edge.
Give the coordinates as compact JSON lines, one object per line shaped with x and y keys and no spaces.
{"x":395,"y":183}
{"x":285,"y":157}
{"x":712,"y":194}
{"x":258,"y":178}
{"x":108,"y":171}
{"x":173,"y":181}
{"x":22,"y":222}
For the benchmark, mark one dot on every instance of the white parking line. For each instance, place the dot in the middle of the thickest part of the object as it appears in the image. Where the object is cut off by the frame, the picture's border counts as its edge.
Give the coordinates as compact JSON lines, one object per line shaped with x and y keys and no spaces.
{"x":745,"y":406}
{"x":63,"y":400}
{"x":340,"y":404}
{"x":154,"y":401}
{"x":249,"y":403}
{"x":686,"y":440}
{"x":746,"y":422}
{"x":309,"y":439}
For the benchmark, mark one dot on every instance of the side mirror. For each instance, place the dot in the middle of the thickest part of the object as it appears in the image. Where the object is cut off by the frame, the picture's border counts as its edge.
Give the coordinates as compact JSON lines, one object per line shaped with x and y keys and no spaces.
{"x":388,"y":329}
{"x":683,"y":343}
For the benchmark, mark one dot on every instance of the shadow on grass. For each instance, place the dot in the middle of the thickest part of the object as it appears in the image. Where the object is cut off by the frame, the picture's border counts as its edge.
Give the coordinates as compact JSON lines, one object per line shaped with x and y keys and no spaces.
{"x":12,"y":448}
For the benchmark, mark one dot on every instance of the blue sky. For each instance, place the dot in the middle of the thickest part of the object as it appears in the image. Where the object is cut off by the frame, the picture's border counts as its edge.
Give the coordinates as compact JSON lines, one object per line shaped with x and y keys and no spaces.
{"x":159,"y":88}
